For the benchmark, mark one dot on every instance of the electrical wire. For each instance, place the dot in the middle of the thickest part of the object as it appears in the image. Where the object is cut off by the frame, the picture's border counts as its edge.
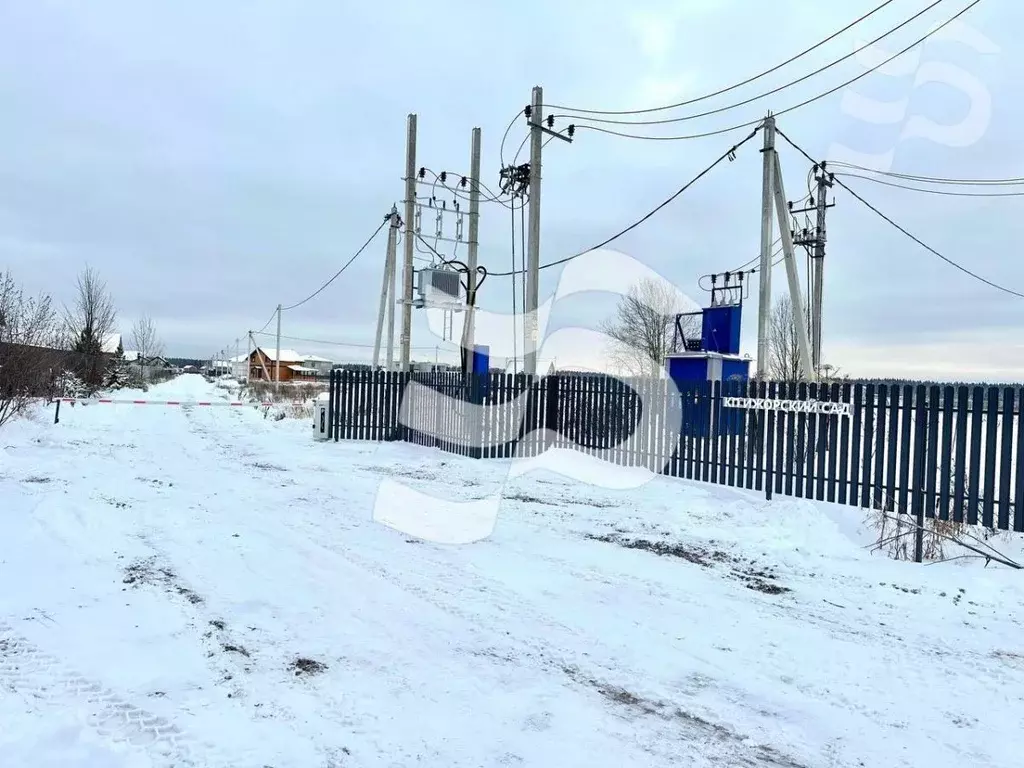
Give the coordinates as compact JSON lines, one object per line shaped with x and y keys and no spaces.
{"x":794,"y":107}
{"x":465,"y":195}
{"x":333,"y":343}
{"x":1010,"y":181}
{"x":719,"y":92}
{"x":504,"y":138}
{"x":338,"y":273}
{"x":493,"y":197}
{"x":667,"y":120}
{"x":913,"y":237}
{"x":727,"y":154}
{"x":925,"y":190}
{"x":272,"y":316}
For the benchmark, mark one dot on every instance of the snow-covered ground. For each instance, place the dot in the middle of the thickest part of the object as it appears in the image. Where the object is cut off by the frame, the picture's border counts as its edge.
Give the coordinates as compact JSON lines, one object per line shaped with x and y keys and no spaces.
{"x":206,"y":587}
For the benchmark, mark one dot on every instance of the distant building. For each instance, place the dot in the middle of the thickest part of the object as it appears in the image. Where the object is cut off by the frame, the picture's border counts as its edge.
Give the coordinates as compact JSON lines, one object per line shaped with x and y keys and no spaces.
{"x":321,"y":365}
{"x":239,"y":366}
{"x":263,"y":366}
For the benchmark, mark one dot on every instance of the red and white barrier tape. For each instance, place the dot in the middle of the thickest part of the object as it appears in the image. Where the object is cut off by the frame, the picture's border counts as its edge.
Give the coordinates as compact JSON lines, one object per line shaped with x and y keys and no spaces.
{"x":109,"y":401}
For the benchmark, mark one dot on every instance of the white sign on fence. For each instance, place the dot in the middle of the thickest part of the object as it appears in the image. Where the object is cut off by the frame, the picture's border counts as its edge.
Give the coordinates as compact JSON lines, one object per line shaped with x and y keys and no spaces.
{"x":791,"y":406}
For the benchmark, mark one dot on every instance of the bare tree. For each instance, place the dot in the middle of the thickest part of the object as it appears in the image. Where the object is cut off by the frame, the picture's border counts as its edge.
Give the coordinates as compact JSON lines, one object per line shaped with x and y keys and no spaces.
{"x":784,"y":362}
{"x":643,"y":325}
{"x":92,"y":316}
{"x":146,"y":341}
{"x":26,"y":326}
{"x":89,"y":321}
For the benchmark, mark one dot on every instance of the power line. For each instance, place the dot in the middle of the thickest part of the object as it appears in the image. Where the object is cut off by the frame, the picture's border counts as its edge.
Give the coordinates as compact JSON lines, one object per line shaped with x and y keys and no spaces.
{"x":1009,"y":181}
{"x":913,"y":237}
{"x":791,"y":83}
{"x":925,"y":190}
{"x":272,"y":316}
{"x":749,"y":80}
{"x":338,"y":273}
{"x":332,"y":343}
{"x":463,"y":177}
{"x":756,"y":258}
{"x":729,"y":153}
{"x":504,"y":138}
{"x":794,"y":107}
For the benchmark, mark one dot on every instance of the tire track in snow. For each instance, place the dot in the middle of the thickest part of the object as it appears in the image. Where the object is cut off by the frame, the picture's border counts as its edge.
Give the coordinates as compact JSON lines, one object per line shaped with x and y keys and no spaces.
{"x":41,"y":678}
{"x":491,"y":611}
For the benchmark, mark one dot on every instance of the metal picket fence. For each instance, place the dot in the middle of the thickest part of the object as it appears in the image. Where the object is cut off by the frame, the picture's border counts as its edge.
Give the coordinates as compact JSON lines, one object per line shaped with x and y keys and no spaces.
{"x":937,"y":451}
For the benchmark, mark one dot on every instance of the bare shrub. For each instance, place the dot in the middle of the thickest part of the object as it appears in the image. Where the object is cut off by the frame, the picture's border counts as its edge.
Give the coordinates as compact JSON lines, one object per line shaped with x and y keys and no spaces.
{"x":267,"y":391}
{"x":896,"y":534}
{"x":27,"y":324}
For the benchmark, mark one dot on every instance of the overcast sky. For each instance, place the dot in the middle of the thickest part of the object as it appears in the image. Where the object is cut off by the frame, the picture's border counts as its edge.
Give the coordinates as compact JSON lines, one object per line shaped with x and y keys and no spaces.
{"x":212,"y":159}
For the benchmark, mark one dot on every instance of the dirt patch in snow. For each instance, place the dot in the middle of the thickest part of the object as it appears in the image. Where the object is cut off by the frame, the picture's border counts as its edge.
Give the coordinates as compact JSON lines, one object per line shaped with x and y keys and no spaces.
{"x":555,"y":501}
{"x":303,"y":666}
{"x":149,"y":573}
{"x":696,"y":555}
{"x":267,"y":467}
{"x":734,"y":746}
{"x":759,"y":579}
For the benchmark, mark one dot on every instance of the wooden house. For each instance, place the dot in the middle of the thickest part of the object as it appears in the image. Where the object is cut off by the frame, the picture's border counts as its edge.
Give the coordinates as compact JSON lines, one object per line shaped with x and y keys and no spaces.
{"x":263,"y":366}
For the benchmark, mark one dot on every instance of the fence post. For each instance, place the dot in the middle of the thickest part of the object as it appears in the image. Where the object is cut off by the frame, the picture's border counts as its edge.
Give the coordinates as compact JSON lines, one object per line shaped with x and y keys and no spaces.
{"x":332,"y":382}
{"x":920,"y":447}
{"x":551,"y":410}
{"x":56,"y":413}
{"x":476,"y":421}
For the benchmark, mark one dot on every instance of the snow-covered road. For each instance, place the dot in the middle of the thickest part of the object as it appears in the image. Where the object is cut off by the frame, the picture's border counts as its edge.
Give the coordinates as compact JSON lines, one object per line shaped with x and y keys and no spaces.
{"x":207,"y":587}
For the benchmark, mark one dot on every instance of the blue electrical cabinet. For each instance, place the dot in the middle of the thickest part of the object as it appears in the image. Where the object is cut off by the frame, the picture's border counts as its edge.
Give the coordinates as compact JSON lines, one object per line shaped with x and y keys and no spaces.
{"x":481,"y":360}
{"x":695,"y":371}
{"x":720,"y":329}
{"x":481,"y":369}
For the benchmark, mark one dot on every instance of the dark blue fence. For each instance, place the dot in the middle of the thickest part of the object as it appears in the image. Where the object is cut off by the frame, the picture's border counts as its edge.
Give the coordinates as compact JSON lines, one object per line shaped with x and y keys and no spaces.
{"x":938,"y":451}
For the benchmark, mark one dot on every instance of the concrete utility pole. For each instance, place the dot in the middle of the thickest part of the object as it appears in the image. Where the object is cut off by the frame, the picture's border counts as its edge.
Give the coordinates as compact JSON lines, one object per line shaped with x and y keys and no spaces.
{"x":765,"y":270}
{"x":824,"y":180}
{"x":410,"y":213}
{"x":392,"y":299}
{"x":530,"y":339}
{"x":387,"y":291}
{"x":813,"y":239}
{"x":277,"y":362}
{"x":795,"y":294}
{"x":468,"y":327}
{"x":248,"y":357}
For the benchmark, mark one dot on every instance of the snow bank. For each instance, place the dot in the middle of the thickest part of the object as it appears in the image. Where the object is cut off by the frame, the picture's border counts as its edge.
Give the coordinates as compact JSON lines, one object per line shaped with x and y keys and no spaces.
{"x":209,"y":587}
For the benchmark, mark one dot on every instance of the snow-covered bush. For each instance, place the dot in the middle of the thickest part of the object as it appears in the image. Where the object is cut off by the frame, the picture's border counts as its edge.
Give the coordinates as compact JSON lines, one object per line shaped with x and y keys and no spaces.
{"x":67,"y":384}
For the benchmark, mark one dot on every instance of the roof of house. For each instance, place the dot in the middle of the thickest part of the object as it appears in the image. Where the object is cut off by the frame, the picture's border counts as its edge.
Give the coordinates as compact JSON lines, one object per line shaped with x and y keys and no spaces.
{"x":131,"y":355}
{"x":111,"y":342}
{"x":315,"y":359}
{"x":301,"y":369}
{"x":287,"y":355}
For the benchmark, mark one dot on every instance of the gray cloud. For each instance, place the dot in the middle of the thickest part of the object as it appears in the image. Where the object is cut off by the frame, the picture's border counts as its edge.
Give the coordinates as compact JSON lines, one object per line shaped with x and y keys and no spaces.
{"x":214,"y":159}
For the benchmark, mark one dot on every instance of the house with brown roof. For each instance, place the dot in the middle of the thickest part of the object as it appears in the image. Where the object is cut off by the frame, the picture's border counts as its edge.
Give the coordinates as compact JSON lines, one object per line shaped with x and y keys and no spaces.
{"x":263,"y":366}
